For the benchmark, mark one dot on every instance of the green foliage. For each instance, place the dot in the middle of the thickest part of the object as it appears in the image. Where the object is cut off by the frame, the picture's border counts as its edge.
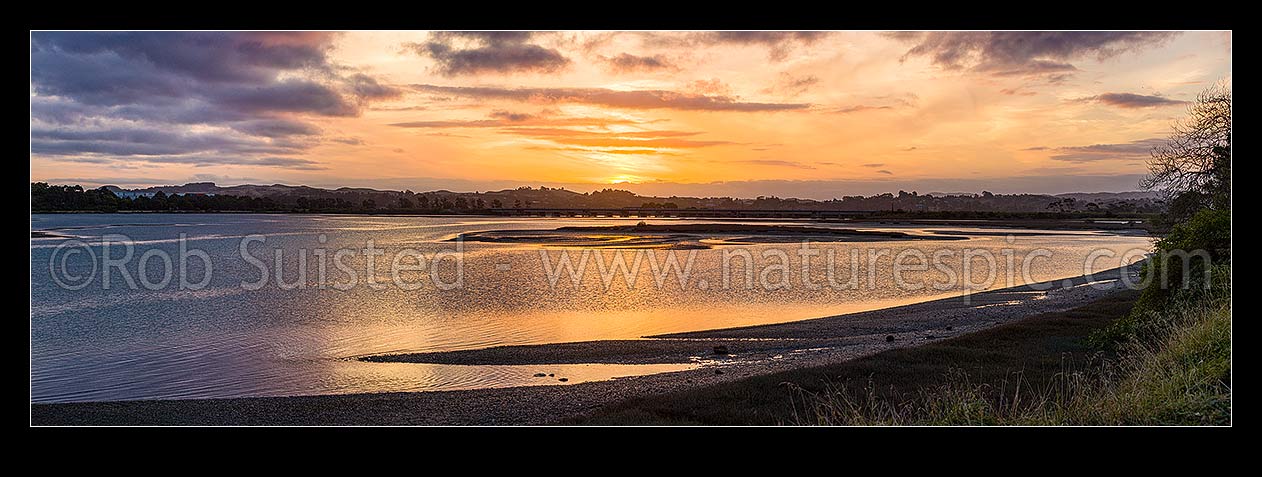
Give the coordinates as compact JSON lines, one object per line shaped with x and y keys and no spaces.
{"x":1191,"y":262}
{"x":1184,"y":375}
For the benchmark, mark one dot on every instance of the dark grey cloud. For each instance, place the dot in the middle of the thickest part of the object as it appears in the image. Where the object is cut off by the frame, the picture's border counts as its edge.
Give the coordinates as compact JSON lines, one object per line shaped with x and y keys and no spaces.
{"x":67,"y":112}
{"x":291,"y":95}
{"x":884,"y":171}
{"x":779,"y":43}
{"x":275,"y":127}
{"x":487,"y":37}
{"x":628,"y":63}
{"x":472,"y":53}
{"x":366,"y":87}
{"x":1131,"y":100}
{"x":642,"y":99}
{"x":875,"y":164}
{"x":196,"y":160}
{"x":152,"y":144}
{"x":205,"y":56}
{"x":107,"y":68}
{"x":765,"y":37}
{"x":131,"y":96}
{"x":1130,"y":151}
{"x":100,"y":78}
{"x":1014,"y":53}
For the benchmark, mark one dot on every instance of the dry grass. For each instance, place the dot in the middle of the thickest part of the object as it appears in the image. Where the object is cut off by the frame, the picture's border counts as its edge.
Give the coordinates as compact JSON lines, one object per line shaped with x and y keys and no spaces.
{"x":1180,"y":377}
{"x":1037,"y":371}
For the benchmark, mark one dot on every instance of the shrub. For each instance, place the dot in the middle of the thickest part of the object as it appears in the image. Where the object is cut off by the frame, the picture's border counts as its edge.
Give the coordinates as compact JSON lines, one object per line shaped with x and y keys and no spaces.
{"x":1178,"y":272}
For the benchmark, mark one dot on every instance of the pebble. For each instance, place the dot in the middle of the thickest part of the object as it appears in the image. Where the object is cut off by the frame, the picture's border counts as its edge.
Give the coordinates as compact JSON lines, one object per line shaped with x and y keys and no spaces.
{"x":540,"y":375}
{"x":718,"y":371}
{"x":889,"y":338}
{"x":563,"y":379}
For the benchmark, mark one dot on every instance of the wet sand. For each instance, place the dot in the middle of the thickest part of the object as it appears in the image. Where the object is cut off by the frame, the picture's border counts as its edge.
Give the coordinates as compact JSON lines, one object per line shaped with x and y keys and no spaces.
{"x":752,"y":351}
{"x":46,"y":234}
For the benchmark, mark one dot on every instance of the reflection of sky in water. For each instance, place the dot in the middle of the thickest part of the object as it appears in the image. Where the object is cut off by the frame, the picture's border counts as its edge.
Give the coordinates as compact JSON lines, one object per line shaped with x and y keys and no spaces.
{"x":222,"y":341}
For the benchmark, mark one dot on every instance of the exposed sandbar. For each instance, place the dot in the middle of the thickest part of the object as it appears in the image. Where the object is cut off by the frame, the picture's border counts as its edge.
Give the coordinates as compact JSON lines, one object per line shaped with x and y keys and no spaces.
{"x":688,"y":236}
{"x":47,"y":234}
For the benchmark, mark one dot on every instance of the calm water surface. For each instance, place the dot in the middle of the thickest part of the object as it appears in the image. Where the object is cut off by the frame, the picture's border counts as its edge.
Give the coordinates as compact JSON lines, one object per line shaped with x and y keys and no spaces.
{"x":227,"y":341}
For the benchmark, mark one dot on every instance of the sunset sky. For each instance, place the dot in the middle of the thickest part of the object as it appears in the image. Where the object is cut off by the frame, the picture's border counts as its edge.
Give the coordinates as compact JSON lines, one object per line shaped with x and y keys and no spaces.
{"x":805,"y":114}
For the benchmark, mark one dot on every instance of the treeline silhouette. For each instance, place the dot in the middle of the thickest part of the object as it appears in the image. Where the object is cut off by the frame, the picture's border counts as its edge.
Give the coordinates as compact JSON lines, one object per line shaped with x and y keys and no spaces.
{"x":207,"y":197}
{"x":65,"y":198}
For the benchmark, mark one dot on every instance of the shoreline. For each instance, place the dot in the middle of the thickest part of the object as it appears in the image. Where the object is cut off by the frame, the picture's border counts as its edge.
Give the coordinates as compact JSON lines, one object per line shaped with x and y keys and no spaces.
{"x":842,"y":338}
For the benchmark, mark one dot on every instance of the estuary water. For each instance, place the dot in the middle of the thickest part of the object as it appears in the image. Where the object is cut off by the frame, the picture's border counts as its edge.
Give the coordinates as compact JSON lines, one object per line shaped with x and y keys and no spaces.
{"x":280,"y":305}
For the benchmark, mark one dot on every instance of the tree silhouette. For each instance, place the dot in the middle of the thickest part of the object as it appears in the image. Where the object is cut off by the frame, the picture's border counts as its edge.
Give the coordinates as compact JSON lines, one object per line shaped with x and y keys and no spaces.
{"x":1193,"y":168}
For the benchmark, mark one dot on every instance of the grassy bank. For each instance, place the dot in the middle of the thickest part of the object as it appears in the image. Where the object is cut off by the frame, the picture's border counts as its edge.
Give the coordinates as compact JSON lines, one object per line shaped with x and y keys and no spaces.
{"x":1040,"y":370}
{"x":1181,"y":376}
